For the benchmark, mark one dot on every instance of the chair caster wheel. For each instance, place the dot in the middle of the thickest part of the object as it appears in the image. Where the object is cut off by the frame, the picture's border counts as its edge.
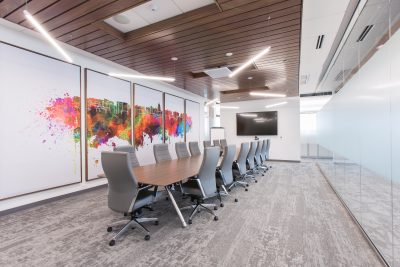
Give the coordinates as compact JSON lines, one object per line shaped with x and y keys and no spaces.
{"x":109,"y":229}
{"x":215,"y":208}
{"x":221,"y":205}
{"x":216,"y":218}
{"x":156,"y":223}
{"x":247,"y":184}
{"x":147,"y":237}
{"x":246,"y":189}
{"x":112,"y":243}
{"x":229,"y":190}
{"x":236,"y":200}
{"x":262,"y":174}
{"x":256,"y":181}
{"x":190,"y":222}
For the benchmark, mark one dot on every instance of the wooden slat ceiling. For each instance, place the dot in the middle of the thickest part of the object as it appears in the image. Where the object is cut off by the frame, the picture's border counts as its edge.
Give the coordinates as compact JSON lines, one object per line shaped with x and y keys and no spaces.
{"x":199,"y":38}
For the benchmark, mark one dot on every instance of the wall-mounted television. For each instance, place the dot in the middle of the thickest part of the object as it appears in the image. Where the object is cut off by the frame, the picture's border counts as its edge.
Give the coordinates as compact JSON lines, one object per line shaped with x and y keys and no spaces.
{"x":257,"y":123}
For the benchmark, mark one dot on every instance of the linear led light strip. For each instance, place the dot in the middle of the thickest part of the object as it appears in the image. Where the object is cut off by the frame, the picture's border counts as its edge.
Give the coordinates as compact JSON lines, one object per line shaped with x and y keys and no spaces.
{"x":276,"y":104}
{"x":267,"y":94}
{"x":47,"y":35}
{"x":249,"y":62}
{"x":145,"y":77}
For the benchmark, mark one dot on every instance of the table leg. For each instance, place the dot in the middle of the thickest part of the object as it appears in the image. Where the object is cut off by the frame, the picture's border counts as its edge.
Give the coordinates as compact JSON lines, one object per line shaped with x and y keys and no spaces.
{"x":178,"y":211}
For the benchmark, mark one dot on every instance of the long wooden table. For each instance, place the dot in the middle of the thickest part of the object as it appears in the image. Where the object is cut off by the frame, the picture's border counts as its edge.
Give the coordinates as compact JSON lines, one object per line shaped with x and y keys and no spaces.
{"x":167,"y":173}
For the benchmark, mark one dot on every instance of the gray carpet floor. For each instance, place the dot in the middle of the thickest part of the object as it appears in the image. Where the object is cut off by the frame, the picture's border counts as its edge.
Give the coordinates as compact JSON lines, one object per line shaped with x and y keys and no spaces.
{"x":291,"y":217}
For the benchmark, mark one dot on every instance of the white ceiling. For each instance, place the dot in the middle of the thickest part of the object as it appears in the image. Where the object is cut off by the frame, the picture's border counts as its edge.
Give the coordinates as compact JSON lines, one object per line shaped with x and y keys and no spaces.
{"x":154,"y":11}
{"x":319,"y":17}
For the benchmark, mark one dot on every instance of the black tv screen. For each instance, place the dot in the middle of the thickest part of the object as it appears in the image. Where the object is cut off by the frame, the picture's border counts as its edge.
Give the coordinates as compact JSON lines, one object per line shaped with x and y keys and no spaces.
{"x":257,"y":123}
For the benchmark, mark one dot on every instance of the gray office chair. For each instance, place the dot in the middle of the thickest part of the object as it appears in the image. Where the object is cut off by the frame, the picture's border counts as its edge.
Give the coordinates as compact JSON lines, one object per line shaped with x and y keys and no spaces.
{"x":132,"y":153}
{"x":225,"y":173}
{"x":216,"y":143}
{"x":206,"y":144}
{"x":161,"y":152}
{"x":239,"y":167}
{"x":250,"y":160}
{"x":264,"y":154}
{"x":203,"y":186}
{"x":223,"y":143}
{"x":259,"y":166}
{"x":124,"y":196}
{"x":194,"y":148}
{"x":181,"y":150}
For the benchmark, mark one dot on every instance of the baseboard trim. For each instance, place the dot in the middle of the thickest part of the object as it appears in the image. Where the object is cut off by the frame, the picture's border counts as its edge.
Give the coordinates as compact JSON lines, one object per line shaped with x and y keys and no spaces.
{"x":284,"y":160}
{"x":44,"y":201}
{"x":359,"y":226}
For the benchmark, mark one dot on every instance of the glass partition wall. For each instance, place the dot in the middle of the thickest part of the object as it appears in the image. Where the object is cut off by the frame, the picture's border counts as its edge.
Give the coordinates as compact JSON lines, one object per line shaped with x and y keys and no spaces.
{"x":360,"y":125}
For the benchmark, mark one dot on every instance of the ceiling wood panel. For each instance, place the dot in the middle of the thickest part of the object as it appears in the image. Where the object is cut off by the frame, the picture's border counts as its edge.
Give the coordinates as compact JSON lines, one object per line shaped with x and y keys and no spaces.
{"x":34,"y":7}
{"x":204,"y":39}
{"x":206,"y":23}
{"x":51,"y":11}
{"x":199,"y":38}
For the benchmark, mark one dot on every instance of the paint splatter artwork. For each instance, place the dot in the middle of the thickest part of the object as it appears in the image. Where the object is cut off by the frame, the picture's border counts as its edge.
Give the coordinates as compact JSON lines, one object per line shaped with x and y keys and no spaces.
{"x":174,"y":124}
{"x":189,"y":123}
{"x":63,"y":116}
{"x":148,"y":122}
{"x":107,"y":120}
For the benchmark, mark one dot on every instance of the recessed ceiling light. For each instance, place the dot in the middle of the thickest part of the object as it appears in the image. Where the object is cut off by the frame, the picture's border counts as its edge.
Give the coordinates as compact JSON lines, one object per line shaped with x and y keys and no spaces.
{"x":174,"y":58}
{"x":121,"y":19}
{"x":250,"y":78}
{"x":229,"y":54}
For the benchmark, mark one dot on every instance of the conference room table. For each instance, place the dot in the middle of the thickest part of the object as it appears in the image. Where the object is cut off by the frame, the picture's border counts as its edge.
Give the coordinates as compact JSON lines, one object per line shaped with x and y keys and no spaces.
{"x":167,"y":173}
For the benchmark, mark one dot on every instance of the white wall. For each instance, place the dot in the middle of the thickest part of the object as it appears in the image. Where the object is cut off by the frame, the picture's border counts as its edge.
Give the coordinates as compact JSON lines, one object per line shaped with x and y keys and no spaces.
{"x":25,"y":38}
{"x":284,"y":146}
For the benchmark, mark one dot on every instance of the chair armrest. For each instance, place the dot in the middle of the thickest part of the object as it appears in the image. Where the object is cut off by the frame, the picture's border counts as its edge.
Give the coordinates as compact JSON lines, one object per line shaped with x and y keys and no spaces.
{"x":145,"y":187}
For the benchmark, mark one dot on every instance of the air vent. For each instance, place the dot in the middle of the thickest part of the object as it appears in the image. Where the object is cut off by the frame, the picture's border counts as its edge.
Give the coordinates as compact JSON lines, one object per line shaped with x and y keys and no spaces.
{"x":341,"y":75}
{"x":218,"y":72}
{"x":316,"y":94}
{"x":304,"y":79}
{"x":320,"y":40}
{"x":364,"y":33}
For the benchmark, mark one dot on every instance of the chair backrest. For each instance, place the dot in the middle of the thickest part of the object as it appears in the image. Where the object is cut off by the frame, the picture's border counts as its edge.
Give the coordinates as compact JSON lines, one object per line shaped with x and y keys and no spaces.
{"x":161,"y":152}
{"x":241,"y":160}
{"x":223,"y":143}
{"x":122,"y":183}
{"x":258,"y":152}
{"x":267,"y":150}
{"x":252,"y":153}
{"x":132,"y":153}
{"x":216,"y":143}
{"x":264,"y":150}
{"x":181,"y":150}
{"x":207,"y":171}
{"x":206,"y":144}
{"x":194,"y":148}
{"x":227,"y":162}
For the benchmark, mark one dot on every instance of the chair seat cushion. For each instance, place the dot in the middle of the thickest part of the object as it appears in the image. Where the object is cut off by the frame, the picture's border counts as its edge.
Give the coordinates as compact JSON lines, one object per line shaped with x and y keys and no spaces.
{"x":145,"y":197}
{"x":191,"y":187}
